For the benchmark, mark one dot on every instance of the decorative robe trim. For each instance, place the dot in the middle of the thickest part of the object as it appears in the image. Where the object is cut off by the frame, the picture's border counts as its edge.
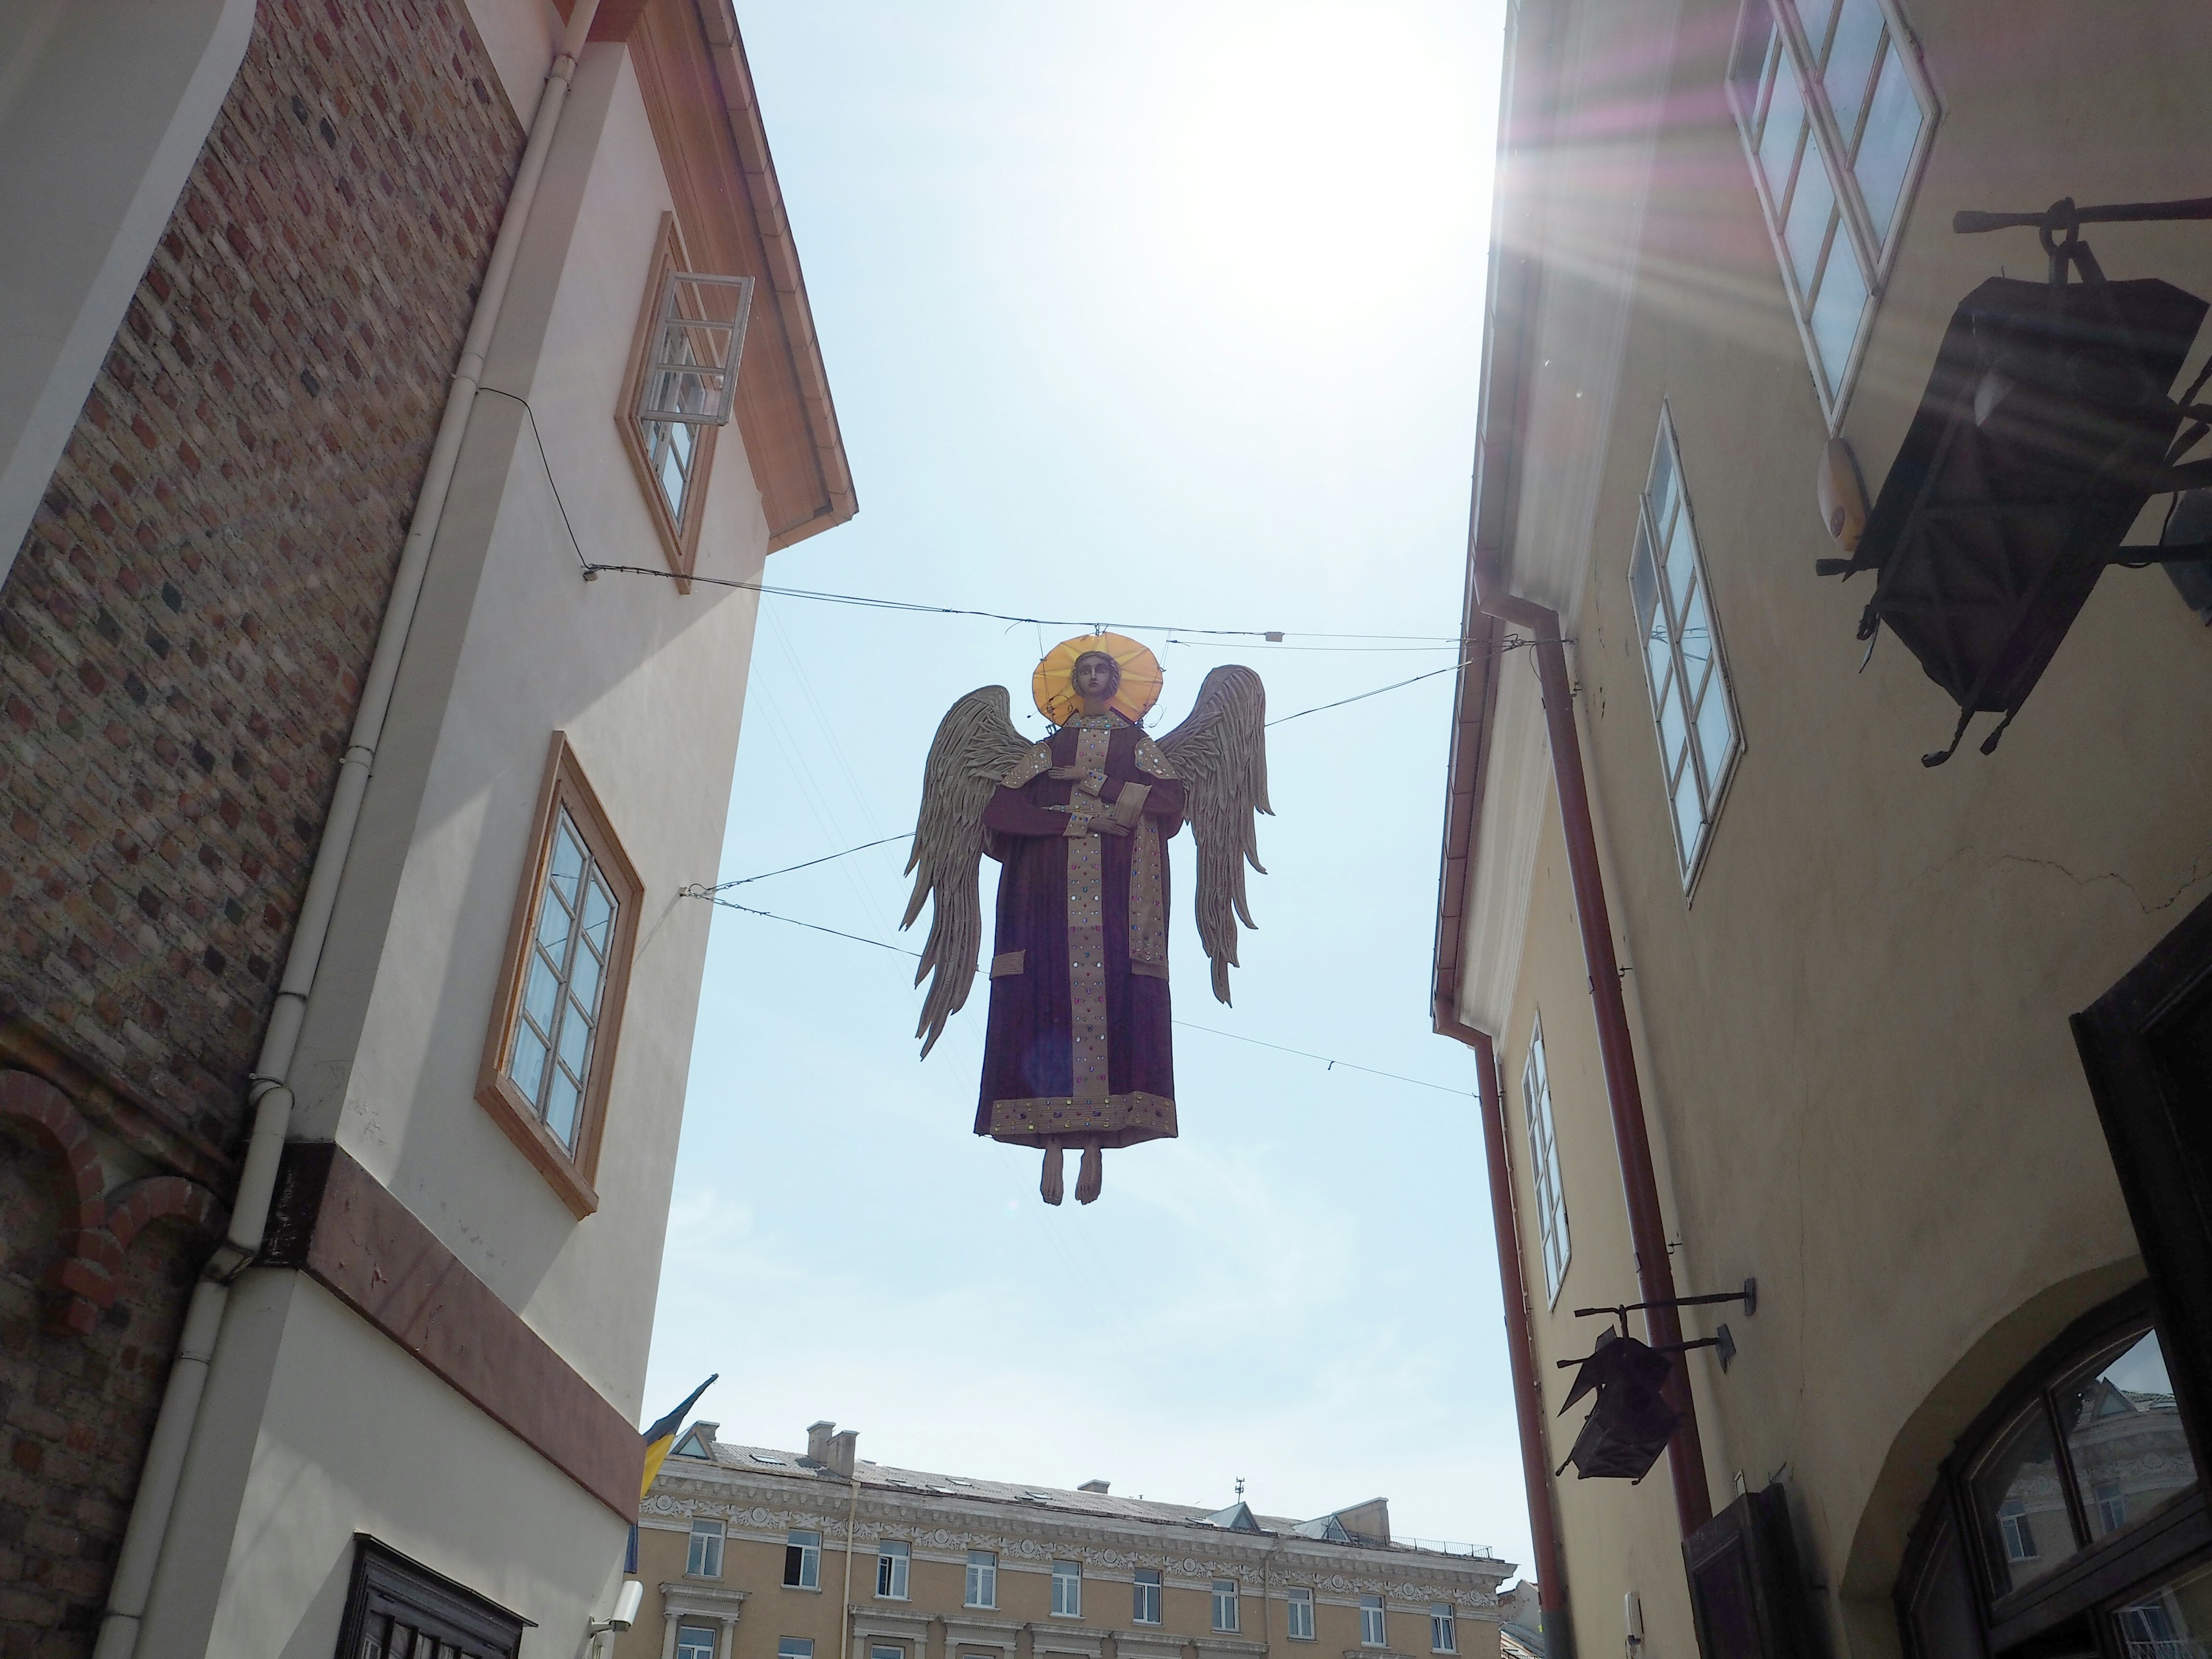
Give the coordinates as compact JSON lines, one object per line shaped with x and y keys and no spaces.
{"x":1150,"y":759}
{"x":1148,"y":909}
{"x":1086,"y":929}
{"x":1117,"y":1120}
{"x":1039,"y":759}
{"x":1008,"y":964}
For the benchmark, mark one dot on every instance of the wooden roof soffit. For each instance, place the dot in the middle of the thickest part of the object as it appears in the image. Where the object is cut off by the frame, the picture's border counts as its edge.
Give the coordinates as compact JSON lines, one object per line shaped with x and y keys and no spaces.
{"x":706,"y":119}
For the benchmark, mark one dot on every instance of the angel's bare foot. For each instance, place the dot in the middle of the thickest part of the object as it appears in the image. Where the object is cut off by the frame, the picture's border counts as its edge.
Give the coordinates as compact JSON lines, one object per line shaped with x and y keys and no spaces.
{"x":1092,"y":1175}
{"x":1049,"y":1188}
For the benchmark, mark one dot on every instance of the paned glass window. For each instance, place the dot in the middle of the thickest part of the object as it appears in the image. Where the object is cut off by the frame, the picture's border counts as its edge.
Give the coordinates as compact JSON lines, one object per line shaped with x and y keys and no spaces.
{"x":670,"y":446}
{"x":2070,"y":1518}
{"x":694,"y":1642}
{"x":1144,"y":1607}
{"x":1373,"y":1625}
{"x":705,"y":1559}
{"x":1068,"y":1590}
{"x":802,"y":1560}
{"x":1837,"y":120}
{"x":1544,"y":1165}
{"x":549,"y":1050}
{"x":891,"y":1557}
{"x":1692,"y":703}
{"x":1301,"y":1615}
{"x":983,"y":1578}
{"x":795,"y":1647}
{"x":1444,"y":1628}
{"x":1224,"y":1604}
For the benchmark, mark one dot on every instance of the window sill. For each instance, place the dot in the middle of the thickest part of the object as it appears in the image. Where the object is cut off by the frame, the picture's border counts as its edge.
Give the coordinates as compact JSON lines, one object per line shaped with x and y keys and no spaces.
{"x":499,"y":1097}
{"x":810,"y":1590}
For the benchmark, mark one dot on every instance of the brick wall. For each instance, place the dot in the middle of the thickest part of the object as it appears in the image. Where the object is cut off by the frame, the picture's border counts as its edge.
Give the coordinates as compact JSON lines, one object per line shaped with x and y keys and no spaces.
{"x":181,"y":644}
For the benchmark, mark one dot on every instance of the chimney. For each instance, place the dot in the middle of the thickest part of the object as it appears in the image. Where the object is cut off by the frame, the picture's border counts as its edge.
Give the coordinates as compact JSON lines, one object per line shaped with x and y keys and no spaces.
{"x":818,"y":1440}
{"x":1098,"y":1487}
{"x":840,"y":1451}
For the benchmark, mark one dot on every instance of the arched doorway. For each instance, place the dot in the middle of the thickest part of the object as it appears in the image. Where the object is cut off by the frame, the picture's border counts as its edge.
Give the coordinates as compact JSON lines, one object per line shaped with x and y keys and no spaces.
{"x":2071,"y":1518}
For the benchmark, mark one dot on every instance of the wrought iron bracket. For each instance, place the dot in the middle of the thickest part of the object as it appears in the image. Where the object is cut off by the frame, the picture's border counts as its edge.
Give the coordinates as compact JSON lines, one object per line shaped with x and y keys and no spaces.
{"x":1723,"y":1338}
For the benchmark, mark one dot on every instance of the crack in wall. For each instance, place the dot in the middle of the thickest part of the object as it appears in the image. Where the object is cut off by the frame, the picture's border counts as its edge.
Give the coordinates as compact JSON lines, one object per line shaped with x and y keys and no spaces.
{"x":2197,"y":874}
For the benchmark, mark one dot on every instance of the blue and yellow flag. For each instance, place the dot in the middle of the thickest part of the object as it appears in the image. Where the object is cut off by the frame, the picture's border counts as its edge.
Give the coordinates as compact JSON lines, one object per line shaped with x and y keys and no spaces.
{"x":661,"y":1437}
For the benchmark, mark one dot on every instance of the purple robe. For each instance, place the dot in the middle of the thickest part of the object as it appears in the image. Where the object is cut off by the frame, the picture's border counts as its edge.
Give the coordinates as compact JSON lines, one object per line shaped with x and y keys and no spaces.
{"x":1078,"y":1046}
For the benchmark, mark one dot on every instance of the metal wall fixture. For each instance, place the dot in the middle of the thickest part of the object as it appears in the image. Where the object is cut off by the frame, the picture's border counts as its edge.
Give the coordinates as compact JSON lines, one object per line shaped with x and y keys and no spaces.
{"x":2047,"y":427}
{"x":1631,"y":1422}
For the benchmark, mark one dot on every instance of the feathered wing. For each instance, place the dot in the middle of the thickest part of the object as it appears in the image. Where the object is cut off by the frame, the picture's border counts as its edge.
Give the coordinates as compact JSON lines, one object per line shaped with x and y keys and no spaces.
{"x":976,"y":744}
{"x":1221,"y":754}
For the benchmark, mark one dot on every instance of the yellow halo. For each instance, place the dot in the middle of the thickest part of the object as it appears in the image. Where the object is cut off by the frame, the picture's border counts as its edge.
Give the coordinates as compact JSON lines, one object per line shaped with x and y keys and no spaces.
{"x":1054,"y":684}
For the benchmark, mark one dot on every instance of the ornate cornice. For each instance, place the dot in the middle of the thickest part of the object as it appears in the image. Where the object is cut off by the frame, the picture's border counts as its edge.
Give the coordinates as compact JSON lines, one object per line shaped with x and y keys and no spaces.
{"x":1112,"y":1545}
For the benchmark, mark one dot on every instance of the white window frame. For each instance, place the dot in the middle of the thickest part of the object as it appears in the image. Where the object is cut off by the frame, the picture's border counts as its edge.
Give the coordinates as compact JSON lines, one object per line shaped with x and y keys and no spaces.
{"x":1374,"y":1623}
{"x":1225,"y":1605}
{"x":1299,"y":1620}
{"x":1146,"y":1597}
{"x":809,"y":1546}
{"x":892,"y":1556}
{"x":1820,"y":170}
{"x":688,"y":1649}
{"x":982,"y":1579}
{"x":884,"y":1650}
{"x":1444,"y":1628}
{"x":794,"y":1647}
{"x":1693,"y":697}
{"x":1557,"y":1248}
{"x":704,"y":1557}
{"x":1068,"y":1590}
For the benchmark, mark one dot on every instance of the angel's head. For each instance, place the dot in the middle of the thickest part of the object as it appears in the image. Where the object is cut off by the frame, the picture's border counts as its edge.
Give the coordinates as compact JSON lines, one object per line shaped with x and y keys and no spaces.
{"x":1096,"y":676}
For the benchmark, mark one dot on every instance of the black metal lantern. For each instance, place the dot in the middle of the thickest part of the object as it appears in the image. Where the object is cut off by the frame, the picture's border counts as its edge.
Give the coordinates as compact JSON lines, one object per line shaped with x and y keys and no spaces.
{"x":1631,"y":1423}
{"x":2046,"y":427}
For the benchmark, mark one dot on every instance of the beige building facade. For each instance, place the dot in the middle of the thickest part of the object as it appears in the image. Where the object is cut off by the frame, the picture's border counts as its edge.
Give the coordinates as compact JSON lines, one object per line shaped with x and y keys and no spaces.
{"x":1757,"y":995}
{"x":744,"y":1551}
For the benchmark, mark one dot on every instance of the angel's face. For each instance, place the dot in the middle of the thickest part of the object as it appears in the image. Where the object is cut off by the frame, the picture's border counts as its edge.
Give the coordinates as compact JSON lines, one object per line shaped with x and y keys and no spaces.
{"x":1097,"y":676}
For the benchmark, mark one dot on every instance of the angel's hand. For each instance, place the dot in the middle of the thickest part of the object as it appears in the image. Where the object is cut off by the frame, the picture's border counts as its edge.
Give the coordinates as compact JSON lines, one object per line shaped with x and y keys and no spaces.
{"x":1107,"y":826}
{"x":1067,"y":773}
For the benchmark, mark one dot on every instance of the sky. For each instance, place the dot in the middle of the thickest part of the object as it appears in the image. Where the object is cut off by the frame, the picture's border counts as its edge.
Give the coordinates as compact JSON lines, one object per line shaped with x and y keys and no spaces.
{"x":1161,"y":316}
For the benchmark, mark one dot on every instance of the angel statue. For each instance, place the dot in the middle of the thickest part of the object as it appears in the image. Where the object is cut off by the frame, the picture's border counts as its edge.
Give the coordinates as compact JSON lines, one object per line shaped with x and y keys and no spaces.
{"x":1078,"y":1050}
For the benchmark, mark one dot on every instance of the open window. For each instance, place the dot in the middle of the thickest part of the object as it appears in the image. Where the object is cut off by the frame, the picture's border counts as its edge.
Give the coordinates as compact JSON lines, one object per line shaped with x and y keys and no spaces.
{"x":550,"y":1052}
{"x":682,"y":387}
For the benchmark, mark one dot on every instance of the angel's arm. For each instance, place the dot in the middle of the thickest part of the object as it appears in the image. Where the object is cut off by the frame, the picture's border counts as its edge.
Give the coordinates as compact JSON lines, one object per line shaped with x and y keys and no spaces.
{"x":1010,"y":813}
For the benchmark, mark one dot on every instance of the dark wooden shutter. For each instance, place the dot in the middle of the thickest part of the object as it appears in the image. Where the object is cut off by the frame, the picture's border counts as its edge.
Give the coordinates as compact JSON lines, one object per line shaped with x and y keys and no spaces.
{"x":2147,"y":1046}
{"x":397,"y":1607}
{"x":1745,"y":1594}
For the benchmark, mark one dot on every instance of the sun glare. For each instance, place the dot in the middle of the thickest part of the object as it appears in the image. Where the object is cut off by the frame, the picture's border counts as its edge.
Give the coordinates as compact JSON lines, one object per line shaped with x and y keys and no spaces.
{"x":1307,"y":164}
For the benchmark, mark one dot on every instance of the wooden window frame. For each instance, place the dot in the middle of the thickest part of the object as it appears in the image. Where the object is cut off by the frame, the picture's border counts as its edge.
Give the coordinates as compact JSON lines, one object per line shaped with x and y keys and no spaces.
{"x":1380,"y":1609}
{"x":2097,"y":1577}
{"x":570,"y":1175}
{"x":679,"y":537}
{"x":1293,"y":1601}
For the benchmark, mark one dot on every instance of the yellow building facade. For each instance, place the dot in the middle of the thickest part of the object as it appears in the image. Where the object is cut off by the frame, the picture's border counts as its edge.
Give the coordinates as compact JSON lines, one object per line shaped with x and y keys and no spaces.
{"x":1757,"y":995}
{"x":752,"y":1552}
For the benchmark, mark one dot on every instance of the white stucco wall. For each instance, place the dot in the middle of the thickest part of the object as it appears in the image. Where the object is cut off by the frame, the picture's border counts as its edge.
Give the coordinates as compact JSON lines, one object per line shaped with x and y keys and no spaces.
{"x":446,"y":1486}
{"x":104,"y":105}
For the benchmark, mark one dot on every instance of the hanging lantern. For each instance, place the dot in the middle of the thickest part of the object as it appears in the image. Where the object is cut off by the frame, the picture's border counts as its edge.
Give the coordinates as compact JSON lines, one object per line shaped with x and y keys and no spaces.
{"x":2046,"y":427}
{"x":1631,"y":1423}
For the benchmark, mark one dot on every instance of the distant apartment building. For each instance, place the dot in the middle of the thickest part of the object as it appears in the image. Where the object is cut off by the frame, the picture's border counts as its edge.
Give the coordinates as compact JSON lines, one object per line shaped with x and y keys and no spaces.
{"x":347,"y":1001}
{"x":747,"y":1552}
